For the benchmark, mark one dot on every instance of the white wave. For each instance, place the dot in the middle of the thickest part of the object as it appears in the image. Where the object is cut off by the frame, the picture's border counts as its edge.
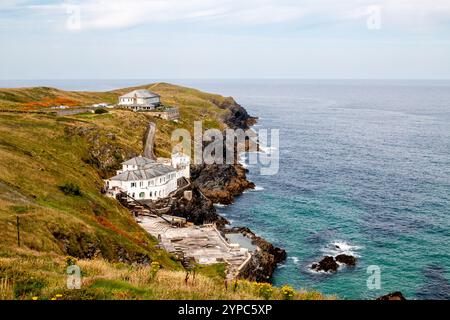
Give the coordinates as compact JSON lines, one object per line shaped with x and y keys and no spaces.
{"x":256,"y":189}
{"x":344,"y":246}
{"x":295,"y":260}
{"x":311,"y":270}
{"x":219,"y":205}
{"x":341,"y":247}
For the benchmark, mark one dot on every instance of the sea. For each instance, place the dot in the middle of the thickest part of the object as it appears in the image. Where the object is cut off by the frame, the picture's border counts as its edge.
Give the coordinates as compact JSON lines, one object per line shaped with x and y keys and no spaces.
{"x":364,"y":169}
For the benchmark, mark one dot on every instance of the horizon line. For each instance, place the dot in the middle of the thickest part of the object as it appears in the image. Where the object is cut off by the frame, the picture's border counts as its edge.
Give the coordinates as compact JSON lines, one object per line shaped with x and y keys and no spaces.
{"x":162,"y":79}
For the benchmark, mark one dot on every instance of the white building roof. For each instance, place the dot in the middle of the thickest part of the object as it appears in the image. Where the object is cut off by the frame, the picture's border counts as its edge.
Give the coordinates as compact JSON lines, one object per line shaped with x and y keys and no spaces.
{"x":138,"y":161}
{"x":141,"y":93}
{"x":146,"y":172}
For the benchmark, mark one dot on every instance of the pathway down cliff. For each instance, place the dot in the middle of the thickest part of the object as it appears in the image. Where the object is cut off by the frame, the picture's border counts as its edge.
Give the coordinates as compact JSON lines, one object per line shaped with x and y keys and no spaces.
{"x":150,"y":141}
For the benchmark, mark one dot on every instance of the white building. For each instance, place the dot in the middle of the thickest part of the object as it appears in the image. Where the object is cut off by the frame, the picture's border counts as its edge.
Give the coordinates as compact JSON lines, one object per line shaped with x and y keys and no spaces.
{"x":182,"y":163}
{"x":145,"y":179}
{"x":138,"y":100}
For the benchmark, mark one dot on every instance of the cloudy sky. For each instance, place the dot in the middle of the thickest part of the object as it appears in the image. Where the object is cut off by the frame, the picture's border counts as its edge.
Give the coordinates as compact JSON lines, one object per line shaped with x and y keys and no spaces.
{"x":151,"y":39}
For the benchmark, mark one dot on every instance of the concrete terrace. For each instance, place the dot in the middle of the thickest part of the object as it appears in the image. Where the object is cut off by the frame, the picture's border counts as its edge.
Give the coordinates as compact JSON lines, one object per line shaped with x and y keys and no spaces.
{"x":203,"y":243}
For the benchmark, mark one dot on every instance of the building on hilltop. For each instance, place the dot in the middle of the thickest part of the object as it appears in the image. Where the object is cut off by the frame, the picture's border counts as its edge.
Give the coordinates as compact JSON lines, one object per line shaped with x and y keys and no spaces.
{"x":146,"y":179}
{"x":140,"y":100}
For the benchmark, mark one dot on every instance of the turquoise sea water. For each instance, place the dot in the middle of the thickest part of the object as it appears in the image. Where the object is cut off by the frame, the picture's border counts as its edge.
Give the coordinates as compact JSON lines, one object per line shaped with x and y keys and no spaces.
{"x":363,"y":164}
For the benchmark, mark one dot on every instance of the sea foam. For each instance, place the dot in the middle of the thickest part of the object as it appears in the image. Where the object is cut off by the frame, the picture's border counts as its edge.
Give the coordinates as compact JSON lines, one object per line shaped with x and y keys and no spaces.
{"x":338,"y":247}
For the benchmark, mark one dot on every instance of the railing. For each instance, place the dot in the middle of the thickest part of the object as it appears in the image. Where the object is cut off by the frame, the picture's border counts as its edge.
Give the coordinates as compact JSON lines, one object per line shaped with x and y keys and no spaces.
{"x":146,"y":206}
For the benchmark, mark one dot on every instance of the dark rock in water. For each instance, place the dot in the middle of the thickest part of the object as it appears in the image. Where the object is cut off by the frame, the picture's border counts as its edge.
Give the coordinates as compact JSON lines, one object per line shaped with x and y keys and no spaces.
{"x":337,"y":247}
{"x":327,"y":264}
{"x":346,"y":259}
{"x":392,"y":296}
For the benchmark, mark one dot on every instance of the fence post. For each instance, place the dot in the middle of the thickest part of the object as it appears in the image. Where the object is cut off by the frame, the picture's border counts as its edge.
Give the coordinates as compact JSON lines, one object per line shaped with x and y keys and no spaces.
{"x":18,"y":230}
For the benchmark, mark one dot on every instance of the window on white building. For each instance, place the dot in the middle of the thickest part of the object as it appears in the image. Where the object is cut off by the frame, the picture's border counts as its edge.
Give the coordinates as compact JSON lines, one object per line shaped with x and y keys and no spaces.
{"x":133,"y":184}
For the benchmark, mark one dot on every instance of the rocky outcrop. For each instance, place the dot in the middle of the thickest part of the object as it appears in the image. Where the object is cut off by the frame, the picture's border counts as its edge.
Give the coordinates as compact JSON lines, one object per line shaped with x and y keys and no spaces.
{"x":220,"y":183}
{"x":327,"y":264}
{"x":392,"y":297}
{"x":346,"y":259}
{"x":260,"y":268}
{"x":331,"y":264}
{"x":104,"y":153}
{"x":237,"y":118}
{"x":264,"y":261}
{"x":197,"y":209}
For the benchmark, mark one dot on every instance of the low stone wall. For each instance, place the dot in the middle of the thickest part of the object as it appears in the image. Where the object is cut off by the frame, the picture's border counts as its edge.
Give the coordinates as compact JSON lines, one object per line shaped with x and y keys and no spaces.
{"x":71,"y":112}
{"x":169,"y":114}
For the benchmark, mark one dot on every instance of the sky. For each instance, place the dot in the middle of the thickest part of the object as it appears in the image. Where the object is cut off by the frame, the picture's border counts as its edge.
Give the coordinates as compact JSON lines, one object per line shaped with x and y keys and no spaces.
{"x":221,"y":39}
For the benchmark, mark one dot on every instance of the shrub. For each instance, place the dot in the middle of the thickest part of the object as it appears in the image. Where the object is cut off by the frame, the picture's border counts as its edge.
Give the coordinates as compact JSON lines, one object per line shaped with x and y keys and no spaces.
{"x":265,"y":290}
{"x":70,"y":261}
{"x":70,"y":189}
{"x":287,"y":292}
{"x":29,"y":286}
{"x":154,"y":268}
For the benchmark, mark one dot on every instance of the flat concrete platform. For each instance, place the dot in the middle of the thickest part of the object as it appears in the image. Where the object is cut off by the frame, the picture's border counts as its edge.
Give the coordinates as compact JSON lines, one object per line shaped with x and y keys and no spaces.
{"x":203,"y":243}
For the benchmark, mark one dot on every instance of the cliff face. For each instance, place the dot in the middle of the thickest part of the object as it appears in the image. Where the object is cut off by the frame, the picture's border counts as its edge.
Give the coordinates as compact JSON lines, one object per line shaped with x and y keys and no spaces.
{"x":238,"y":117}
{"x":221,"y":183}
{"x":198,"y":209}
